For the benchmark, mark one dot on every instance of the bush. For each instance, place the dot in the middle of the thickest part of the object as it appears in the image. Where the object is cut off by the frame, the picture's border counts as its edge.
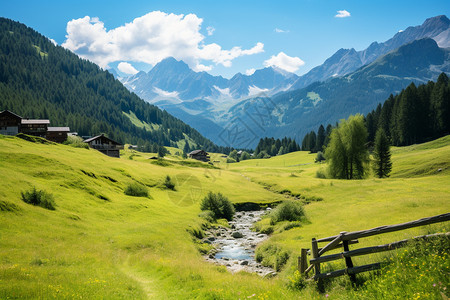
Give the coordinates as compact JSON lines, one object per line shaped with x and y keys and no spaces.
{"x":39,"y":198}
{"x":208,"y":216}
{"x":136,"y":190}
{"x":76,"y":141}
{"x":168,"y":183}
{"x":288,"y":210}
{"x":319,"y":157}
{"x":219,"y":205}
{"x":230,"y":160}
{"x":321,"y":173}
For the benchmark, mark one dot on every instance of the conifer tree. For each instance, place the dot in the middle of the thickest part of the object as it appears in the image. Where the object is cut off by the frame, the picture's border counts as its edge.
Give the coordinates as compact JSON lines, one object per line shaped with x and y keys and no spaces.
{"x":382,"y":164}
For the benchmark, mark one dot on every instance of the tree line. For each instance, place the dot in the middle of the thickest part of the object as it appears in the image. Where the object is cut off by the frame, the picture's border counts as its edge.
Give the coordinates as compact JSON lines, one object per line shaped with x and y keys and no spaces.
{"x":41,"y":80}
{"x":268,"y":147}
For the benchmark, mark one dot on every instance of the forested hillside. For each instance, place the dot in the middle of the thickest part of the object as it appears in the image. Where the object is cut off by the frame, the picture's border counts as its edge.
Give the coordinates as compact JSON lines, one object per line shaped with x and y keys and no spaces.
{"x":417,"y":114}
{"x":41,"y":80}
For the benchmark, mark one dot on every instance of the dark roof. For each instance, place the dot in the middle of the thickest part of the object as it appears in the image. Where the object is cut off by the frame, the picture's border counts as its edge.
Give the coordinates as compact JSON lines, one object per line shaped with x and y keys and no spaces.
{"x":11,"y":113}
{"x":197,"y":152}
{"x":58,"y":129}
{"x":26,"y":121}
{"x":101,"y":136}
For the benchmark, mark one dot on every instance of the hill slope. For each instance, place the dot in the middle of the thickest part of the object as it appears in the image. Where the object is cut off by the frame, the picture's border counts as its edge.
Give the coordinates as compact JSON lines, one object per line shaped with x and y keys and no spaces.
{"x":41,"y":80}
{"x":101,"y":243}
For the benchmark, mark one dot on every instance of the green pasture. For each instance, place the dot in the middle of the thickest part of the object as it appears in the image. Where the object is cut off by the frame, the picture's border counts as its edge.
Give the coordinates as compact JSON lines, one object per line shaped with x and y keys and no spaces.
{"x":101,"y":243}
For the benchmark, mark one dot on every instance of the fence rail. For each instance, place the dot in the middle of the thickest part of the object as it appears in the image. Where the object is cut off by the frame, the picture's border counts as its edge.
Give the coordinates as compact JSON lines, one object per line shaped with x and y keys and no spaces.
{"x":344,"y":239}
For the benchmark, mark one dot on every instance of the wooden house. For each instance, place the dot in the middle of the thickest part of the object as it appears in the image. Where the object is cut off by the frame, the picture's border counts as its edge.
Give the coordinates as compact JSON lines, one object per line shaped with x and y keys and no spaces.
{"x":105,"y":145}
{"x":10,"y":123}
{"x":199,"y":155}
{"x":34,"y":127}
{"x":57,"y":134}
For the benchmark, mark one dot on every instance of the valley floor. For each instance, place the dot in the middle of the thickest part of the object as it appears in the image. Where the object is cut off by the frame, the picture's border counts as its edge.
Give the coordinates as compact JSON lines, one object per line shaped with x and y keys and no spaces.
{"x":101,"y":243}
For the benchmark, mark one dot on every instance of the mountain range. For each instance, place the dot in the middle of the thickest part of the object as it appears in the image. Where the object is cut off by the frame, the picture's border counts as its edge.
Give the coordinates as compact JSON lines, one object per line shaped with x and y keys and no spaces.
{"x":348,"y":82}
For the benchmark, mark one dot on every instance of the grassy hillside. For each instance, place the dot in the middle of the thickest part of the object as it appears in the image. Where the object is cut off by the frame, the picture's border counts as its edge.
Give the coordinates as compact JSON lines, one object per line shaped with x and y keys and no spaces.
{"x":101,"y":243}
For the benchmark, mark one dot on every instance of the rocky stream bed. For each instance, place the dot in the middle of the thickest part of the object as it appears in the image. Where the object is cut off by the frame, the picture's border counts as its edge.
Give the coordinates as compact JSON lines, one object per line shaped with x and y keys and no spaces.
{"x":235,"y":246}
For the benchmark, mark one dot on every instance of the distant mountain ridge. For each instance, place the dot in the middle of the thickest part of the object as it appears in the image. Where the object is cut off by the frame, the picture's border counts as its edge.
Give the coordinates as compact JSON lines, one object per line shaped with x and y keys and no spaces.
{"x":295,"y":113}
{"x":173,"y":79}
{"x":345,"y":61}
{"x":209,"y":103}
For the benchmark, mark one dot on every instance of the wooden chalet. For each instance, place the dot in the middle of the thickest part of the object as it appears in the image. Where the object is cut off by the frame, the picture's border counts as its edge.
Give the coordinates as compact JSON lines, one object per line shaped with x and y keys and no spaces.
{"x":105,"y":145}
{"x":10,"y":123}
{"x":34,"y":127}
{"x":199,"y":155}
{"x":57,"y":134}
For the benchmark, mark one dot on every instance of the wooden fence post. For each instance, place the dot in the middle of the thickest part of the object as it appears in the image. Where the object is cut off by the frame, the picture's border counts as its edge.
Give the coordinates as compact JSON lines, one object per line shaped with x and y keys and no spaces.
{"x":348,"y":260}
{"x":303,"y":261}
{"x":315,"y":253}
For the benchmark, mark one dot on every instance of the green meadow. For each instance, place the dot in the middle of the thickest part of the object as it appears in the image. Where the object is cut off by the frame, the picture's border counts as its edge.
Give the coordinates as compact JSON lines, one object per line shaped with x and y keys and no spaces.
{"x":101,"y":243}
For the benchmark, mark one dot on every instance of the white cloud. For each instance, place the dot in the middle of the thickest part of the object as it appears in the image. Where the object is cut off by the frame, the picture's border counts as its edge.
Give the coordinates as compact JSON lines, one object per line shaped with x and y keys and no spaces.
{"x":210,"y":30}
{"x":250,"y":71}
{"x":342,"y":14}
{"x":127,"y":68}
{"x":201,"y":68}
{"x":149,"y":39}
{"x":278,"y":30}
{"x":285,"y":62}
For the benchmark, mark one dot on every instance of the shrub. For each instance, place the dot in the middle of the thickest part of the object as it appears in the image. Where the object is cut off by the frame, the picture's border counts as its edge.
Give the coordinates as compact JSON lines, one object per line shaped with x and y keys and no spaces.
{"x":319,"y":157}
{"x":168,"y":183}
{"x":39,"y":198}
{"x":288,"y":210}
{"x":208,"y":216}
{"x":230,"y":160}
{"x":136,"y":190}
{"x":321,"y":173}
{"x":219,"y":205}
{"x":76,"y":141}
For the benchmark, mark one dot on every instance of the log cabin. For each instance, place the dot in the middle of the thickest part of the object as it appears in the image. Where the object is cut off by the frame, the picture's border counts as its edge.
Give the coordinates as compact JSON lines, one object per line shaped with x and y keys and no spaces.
{"x":105,"y":145}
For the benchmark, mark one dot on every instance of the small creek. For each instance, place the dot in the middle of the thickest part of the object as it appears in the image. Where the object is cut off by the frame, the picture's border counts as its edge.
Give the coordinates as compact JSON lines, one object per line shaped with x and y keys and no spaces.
{"x":235,"y":246}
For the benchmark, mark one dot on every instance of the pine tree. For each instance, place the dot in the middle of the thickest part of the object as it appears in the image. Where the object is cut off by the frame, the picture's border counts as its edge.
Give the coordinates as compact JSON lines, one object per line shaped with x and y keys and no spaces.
{"x":320,"y":141}
{"x":382,"y":164}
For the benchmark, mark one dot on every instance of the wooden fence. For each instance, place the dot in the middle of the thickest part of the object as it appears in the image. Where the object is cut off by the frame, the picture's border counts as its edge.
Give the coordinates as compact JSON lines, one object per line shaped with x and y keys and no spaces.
{"x":344,"y":239}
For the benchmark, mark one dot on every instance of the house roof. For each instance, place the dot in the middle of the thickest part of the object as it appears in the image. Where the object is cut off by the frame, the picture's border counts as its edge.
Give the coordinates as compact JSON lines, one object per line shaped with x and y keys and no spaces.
{"x":58,"y":129}
{"x":11,"y":113}
{"x":26,"y":121}
{"x":101,"y":136}
{"x":197,"y":152}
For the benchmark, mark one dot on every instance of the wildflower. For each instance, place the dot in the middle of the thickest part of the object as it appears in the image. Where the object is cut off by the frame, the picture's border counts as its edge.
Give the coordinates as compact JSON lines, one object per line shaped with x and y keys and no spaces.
{"x":326,"y":296}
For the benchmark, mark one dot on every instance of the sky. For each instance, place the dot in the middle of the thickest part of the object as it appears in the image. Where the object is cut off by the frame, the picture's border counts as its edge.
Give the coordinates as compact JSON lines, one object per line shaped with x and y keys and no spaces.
{"x":220,"y":37}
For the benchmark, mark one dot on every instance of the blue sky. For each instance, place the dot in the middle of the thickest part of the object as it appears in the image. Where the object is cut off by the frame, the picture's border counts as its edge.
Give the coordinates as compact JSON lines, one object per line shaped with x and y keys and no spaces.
{"x":243,"y":35}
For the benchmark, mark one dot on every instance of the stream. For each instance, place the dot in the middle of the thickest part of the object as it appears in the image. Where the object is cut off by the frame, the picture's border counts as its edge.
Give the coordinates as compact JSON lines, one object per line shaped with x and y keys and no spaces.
{"x":235,"y":246}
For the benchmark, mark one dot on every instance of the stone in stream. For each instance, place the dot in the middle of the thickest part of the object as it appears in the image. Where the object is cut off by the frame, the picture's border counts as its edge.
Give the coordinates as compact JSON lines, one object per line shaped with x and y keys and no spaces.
{"x":244,"y":263}
{"x":211,"y":238}
{"x":237,"y":235}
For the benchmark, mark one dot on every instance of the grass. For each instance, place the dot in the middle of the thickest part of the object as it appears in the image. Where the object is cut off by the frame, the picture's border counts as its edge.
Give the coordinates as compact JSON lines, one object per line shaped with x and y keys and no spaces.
{"x":138,"y":248}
